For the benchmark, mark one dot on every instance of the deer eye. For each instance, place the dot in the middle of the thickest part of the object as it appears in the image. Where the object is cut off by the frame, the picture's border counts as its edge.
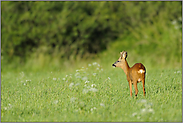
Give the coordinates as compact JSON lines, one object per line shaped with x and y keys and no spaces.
{"x":118,"y":61}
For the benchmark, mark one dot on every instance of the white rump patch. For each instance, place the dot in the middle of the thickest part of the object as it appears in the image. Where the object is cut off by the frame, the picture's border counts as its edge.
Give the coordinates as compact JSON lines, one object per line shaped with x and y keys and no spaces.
{"x":141,"y":71}
{"x":139,"y":80}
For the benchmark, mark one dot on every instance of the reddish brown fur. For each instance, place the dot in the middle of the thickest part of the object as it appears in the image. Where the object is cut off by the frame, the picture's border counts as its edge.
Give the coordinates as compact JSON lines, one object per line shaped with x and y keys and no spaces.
{"x":135,"y":74}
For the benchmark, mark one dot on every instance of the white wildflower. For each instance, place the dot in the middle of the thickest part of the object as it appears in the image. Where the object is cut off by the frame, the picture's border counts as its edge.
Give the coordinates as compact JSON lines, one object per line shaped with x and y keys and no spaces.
{"x":94,"y":63}
{"x":109,"y":78}
{"x":78,"y":76}
{"x":5,"y":108}
{"x":142,"y":101}
{"x":54,"y":78}
{"x":93,"y":89}
{"x":71,"y":85}
{"x":76,"y":84}
{"x":84,"y":78}
{"x":97,"y":68}
{"x":143,"y":110}
{"x":87,"y":82}
{"x":24,"y":84}
{"x":77,"y":70}
{"x":28,"y":80}
{"x":151,"y":110}
{"x":176,"y":27}
{"x":66,"y":76}
{"x":55,"y":102}
{"x":63,"y":79}
{"x":94,"y":108}
{"x":178,"y":71}
{"x":72,"y":99}
{"x":87,"y":86}
{"x":93,"y":85}
{"x":89,"y":64}
{"x":94,"y":74}
{"x":22,"y":74}
{"x":76,"y":110}
{"x":134,"y":114}
{"x":174,"y":22}
{"x":10,"y":106}
{"x":102,"y":104}
{"x":85,"y":90}
{"x":90,"y":89}
{"x":149,"y":105}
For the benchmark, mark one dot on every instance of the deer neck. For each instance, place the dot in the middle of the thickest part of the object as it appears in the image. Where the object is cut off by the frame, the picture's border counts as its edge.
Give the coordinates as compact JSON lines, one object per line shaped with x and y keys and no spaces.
{"x":126,"y":67}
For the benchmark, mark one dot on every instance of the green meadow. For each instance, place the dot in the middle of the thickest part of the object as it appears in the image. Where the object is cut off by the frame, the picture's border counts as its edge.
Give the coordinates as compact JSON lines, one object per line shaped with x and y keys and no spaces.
{"x":56,"y":61}
{"x":90,"y":93}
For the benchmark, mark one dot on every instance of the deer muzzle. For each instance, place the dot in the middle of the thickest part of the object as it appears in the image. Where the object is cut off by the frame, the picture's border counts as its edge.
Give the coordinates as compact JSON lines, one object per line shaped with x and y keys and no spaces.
{"x":113,"y":65}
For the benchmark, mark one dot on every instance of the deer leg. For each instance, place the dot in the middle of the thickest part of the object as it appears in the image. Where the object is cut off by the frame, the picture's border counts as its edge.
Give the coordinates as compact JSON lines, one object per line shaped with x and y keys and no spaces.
{"x":130,"y":84}
{"x":143,"y":84}
{"x":136,"y":89}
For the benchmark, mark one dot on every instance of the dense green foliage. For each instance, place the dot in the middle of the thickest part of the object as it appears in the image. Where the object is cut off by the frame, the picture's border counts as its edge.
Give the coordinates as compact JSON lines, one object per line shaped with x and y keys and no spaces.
{"x":75,"y":29}
{"x":91,"y":93}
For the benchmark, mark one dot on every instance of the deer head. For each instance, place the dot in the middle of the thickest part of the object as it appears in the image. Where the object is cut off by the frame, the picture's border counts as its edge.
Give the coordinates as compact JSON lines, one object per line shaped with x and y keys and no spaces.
{"x":122,"y":60}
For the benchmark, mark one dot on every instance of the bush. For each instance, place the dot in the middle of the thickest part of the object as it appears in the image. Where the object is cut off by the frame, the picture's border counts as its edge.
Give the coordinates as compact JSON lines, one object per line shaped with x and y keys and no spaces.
{"x":70,"y":29}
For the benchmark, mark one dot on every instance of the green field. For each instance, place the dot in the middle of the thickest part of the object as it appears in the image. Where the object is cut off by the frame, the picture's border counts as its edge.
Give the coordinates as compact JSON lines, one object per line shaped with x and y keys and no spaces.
{"x":56,"y":61}
{"x":90,"y":93}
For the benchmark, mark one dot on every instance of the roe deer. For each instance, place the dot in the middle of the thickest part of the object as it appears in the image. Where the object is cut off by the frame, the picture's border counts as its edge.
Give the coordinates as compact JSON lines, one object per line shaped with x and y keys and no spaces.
{"x":134,"y":74}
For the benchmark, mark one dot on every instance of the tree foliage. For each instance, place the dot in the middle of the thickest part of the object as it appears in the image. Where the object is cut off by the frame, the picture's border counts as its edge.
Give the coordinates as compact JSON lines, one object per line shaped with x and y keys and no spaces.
{"x":69,"y":29}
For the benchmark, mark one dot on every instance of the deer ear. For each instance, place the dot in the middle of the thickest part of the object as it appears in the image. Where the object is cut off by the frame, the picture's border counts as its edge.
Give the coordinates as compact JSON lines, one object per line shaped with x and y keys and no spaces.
{"x":124,"y":54}
{"x":121,"y":55}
